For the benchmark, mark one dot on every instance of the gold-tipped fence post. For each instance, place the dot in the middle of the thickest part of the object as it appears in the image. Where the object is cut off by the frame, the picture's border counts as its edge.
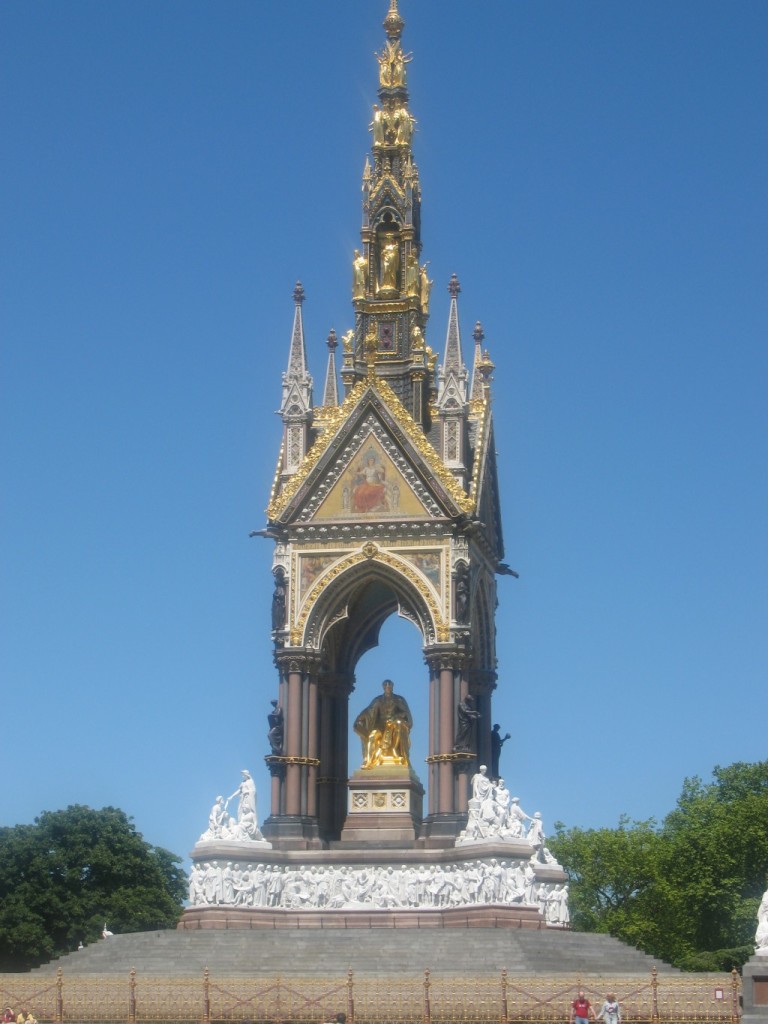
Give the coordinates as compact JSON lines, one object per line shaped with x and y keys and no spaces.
{"x":132,"y":997}
{"x":206,"y":996}
{"x":654,"y":994}
{"x":504,"y":983}
{"x":427,"y":1009}
{"x":59,"y":996}
{"x":350,"y":997}
{"x":734,"y":996}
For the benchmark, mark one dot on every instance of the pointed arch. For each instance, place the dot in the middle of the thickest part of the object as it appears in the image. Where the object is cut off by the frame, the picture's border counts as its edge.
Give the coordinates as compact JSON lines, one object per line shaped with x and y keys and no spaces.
{"x":367,"y":587}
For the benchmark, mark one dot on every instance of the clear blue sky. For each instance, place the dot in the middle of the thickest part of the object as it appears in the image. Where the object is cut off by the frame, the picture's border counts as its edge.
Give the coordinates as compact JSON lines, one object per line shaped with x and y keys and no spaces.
{"x":594,"y":172}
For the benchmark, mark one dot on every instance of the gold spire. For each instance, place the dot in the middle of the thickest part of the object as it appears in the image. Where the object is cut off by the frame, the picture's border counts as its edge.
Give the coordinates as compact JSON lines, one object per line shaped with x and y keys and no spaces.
{"x":393,"y":23}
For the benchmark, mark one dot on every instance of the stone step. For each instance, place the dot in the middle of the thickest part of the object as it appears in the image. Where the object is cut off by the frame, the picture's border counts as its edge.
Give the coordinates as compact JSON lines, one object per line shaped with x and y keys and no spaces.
{"x":378,"y":951}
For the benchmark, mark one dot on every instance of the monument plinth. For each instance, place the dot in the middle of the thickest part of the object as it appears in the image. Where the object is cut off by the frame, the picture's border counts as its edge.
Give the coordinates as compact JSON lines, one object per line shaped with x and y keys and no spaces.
{"x":385,"y":806}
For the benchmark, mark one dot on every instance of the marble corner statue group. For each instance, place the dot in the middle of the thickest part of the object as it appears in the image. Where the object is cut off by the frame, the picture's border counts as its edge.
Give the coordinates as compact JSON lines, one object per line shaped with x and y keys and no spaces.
{"x":385,"y":500}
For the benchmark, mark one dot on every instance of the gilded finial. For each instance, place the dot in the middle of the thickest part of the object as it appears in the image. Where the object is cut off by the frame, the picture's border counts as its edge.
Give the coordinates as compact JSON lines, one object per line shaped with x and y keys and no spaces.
{"x":298,"y":293}
{"x":393,"y":23}
{"x":485,"y":368}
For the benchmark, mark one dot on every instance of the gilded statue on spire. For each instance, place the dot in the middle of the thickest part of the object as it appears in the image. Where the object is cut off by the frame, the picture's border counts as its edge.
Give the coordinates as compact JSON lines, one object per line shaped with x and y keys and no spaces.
{"x":392,"y":63}
{"x":359,"y":275}
{"x":425,"y":288}
{"x":390,"y":257}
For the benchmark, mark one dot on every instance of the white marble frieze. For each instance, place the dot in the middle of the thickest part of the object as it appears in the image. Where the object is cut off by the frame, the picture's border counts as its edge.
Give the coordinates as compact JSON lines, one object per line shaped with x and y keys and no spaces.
{"x":222,"y":883}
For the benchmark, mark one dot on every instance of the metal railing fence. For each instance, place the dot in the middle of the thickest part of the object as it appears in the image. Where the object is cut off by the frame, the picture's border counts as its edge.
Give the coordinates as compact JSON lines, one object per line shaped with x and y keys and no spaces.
{"x":387,"y":999}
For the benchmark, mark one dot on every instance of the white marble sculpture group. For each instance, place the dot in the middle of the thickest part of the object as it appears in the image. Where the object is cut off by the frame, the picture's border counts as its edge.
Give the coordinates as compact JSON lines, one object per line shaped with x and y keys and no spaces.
{"x":761,"y":935}
{"x":245,"y":827}
{"x":346,"y":887}
{"x":495,"y":815}
{"x":235,"y":877}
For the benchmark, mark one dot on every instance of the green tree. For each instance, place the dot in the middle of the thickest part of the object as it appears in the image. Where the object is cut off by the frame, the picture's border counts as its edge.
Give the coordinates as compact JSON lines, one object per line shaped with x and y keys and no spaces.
{"x":62,"y":878}
{"x":686,"y":892}
{"x":613,"y":874}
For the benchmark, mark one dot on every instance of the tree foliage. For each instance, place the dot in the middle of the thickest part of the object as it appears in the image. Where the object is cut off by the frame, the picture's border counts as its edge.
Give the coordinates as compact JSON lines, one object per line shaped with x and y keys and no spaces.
{"x":686,"y":891}
{"x":62,"y":878}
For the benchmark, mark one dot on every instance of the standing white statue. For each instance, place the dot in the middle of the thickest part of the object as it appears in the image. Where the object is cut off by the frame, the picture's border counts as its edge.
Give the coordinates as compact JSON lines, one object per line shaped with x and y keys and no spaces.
{"x":247,"y":823}
{"x":761,"y":935}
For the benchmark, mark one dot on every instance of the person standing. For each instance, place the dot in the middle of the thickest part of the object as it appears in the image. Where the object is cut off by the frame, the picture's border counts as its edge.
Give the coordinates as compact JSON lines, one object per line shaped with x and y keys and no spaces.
{"x":581,"y":1009}
{"x":610,"y":1011}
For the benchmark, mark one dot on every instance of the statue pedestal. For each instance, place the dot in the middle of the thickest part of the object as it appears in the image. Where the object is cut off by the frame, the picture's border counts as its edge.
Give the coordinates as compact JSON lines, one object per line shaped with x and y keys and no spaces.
{"x":755,"y":989}
{"x":384,"y":806}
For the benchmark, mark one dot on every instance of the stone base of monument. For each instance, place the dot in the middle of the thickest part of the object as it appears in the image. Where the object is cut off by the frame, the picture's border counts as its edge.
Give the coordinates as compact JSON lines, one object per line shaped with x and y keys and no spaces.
{"x":483,"y":883}
{"x":384,"y":806}
{"x":488,"y":916}
{"x":755,"y":989}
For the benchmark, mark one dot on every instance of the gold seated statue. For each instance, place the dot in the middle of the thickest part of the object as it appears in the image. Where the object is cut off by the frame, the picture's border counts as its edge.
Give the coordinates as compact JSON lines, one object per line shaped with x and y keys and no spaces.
{"x":384,"y":728}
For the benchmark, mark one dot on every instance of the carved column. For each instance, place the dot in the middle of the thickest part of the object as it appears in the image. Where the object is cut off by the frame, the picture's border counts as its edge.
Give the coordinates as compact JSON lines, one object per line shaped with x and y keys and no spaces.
{"x":293,"y":723}
{"x":447,"y":685}
{"x":333,"y":696}
{"x":293,"y":821}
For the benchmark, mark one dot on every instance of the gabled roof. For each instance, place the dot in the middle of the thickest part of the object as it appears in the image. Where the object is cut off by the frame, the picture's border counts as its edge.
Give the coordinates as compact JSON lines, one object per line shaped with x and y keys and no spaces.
{"x":372,"y":413}
{"x":484,"y":482}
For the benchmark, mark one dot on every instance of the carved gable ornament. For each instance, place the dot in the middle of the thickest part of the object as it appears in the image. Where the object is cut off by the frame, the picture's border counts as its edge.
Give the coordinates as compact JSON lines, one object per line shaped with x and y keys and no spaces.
{"x":376,"y":464}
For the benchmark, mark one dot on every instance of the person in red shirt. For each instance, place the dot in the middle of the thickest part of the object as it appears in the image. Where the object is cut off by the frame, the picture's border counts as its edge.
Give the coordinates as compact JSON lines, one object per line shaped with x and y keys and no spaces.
{"x":580,"y":1009}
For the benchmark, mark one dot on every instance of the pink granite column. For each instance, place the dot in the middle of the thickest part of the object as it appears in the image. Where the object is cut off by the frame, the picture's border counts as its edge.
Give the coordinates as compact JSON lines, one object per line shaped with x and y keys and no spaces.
{"x":293,"y":741}
{"x":445,"y":799}
{"x":312,"y":747}
{"x":434,"y":703}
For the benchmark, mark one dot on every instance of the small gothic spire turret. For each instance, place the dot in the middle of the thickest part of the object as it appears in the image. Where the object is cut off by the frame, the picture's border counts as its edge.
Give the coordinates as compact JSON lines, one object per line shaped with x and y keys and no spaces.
{"x":453,"y":362}
{"x":452,"y":391}
{"x":331,"y":391}
{"x":296,"y":406}
{"x":476,"y":389}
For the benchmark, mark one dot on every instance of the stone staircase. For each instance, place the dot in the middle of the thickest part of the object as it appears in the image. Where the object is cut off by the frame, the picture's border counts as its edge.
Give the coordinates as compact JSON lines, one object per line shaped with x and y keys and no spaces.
{"x":377,"y":951}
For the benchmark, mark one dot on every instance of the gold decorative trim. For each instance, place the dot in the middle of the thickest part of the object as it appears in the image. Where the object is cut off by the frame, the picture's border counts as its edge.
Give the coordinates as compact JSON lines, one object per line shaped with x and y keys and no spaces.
{"x":276,"y":478}
{"x":450,"y":758}
{"x":483,"y":429}
{"x":414,"y":433}
{"x":280,"y":501}
{"x":311,"y":762}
